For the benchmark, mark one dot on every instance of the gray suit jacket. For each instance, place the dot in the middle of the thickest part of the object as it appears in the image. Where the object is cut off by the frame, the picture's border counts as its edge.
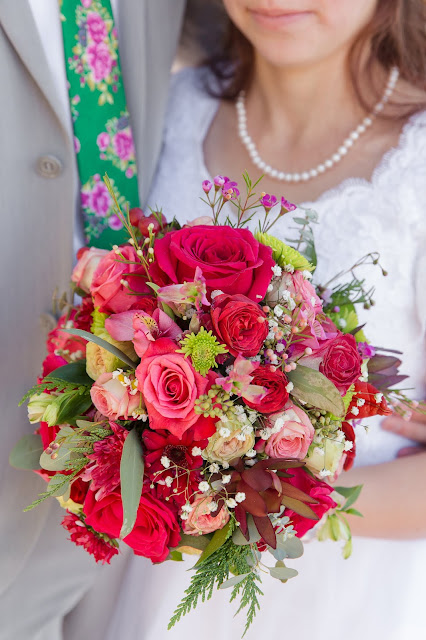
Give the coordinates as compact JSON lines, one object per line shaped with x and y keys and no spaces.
{"x":42,"y":576}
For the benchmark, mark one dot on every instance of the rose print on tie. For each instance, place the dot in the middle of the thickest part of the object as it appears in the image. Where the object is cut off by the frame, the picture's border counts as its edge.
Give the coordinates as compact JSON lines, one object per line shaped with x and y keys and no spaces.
{"x":102,"y":131}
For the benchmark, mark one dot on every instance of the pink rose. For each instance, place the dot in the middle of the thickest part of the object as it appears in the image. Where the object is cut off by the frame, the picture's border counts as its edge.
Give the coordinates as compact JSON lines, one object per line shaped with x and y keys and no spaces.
{"x":200,"y":520}
{"x":99,"y":200}
{"x":103,"y":141}
{"x":231,"y":260}
{"x":96,"y":27}
{"x":170,"y":386}
{"x":114,"y":400}
{"x":295,"y":436}
{"x":86,"y":267}
{"x":99,"y":60}
{"x":123,"y":145}
{"x":107,"y":288}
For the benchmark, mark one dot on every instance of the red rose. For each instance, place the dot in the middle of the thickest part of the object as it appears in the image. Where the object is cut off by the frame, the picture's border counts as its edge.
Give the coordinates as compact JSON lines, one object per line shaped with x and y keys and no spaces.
{"x":367,"y":401}
{"x":314,"y":488}
{"x":109,"y":294}
{"x":231,"y":260}
{"x":341,"y":362}
{"x":275,"y":383}
{"x":236,"y":323}
{"x":155,"y":531}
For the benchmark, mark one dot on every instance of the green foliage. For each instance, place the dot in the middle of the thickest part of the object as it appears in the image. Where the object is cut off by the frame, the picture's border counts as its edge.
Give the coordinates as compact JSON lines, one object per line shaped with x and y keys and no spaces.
{"x":215,"y":571}
{"x":350,"y":493}
{"x":219,"y":538}
{"x":314,"y":388}
{"x":283,"y":254}
{"x":305,"y":242}
{"x":90,"y":337}
{"x":26,"y":453}
{"x":131,"y":479}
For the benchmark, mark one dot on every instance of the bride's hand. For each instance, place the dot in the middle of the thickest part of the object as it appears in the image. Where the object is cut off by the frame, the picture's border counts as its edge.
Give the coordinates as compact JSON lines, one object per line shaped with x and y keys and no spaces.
{"x":414,"y":429}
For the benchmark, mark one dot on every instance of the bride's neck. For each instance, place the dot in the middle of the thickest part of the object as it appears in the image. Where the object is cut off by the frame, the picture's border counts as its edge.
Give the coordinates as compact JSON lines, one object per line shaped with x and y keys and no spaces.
{"x":295,"y":101}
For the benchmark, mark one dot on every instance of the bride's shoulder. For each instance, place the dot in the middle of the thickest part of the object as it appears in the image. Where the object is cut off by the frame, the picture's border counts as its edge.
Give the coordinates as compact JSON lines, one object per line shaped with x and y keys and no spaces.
{"x":189,"y":97}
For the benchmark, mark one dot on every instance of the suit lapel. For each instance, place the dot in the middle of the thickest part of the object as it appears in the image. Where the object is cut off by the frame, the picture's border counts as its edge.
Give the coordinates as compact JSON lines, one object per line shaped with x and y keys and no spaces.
{"x":17,"y":20}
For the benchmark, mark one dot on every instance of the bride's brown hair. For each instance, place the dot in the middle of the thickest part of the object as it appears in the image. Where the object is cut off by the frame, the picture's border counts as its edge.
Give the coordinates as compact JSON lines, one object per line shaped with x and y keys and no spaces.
{"x":397,"y":37}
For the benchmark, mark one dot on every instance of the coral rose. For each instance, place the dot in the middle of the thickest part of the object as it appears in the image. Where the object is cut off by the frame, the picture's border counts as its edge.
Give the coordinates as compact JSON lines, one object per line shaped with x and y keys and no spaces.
{"x":113,"y":400}
{"x":295,"y":436}
{"x":240,"y":324}
{"x":156,"y":528}
{"x":86,"y":266}
{"x":109,"y":293}
{"x":200,"y":520}
{"x":276,"y":395}
{"x":170,"y":386}
{"x":231,"y":260}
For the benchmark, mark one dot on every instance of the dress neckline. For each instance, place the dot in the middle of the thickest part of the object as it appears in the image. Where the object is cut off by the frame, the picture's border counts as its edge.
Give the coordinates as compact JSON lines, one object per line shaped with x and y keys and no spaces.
{"x":385,"y":163}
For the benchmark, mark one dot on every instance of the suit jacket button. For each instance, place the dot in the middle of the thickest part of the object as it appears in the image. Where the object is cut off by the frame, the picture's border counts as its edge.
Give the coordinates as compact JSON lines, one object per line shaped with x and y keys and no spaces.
{"x":49,"y":166}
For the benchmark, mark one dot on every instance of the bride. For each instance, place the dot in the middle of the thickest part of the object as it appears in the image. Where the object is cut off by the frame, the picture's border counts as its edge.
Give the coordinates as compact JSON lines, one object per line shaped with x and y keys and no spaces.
{"x":327,"y":99}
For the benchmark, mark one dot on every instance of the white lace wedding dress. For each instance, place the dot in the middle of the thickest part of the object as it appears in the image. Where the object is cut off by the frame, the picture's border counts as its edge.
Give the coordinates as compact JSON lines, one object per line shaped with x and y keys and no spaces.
{"x":380,"y":591}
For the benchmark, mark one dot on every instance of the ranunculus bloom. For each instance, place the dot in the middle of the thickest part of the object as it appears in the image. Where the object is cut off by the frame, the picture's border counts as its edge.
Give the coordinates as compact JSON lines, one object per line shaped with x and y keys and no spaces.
{"x":295,"y":436}
{"x":314,"y":488}
{"x":169,"y":385}
{"x":100,"y":549}
{"x":113,"y":400}
{"x":240,"y":324}
{"x":275,"y":383}
{"x":227,"y":448}
{"x":156,"y":529}
{"x":341,"y":362}
{"x":200,"y":521}
{"x":109,"y":294}
{"x":231,"y":260}
{"x":83,"y":271}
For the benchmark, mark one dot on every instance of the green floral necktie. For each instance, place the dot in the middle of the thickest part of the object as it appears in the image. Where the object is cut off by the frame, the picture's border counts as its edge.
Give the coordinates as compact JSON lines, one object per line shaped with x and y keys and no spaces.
{"x":102,"y":135}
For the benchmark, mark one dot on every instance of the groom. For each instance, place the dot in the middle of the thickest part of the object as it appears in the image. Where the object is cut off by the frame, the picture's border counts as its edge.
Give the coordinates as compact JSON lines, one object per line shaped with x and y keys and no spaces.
{"x":42,"y":576}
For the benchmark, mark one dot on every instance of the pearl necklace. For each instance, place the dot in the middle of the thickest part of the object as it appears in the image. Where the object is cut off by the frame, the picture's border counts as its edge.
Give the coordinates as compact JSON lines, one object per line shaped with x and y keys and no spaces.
{"x":332,"y":160}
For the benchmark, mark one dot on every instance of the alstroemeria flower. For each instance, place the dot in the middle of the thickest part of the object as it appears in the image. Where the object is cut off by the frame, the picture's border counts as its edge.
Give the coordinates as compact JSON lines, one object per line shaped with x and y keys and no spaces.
{"x":142,"y":328}
{"x":178,"y":296}
{"x":239,"y":380}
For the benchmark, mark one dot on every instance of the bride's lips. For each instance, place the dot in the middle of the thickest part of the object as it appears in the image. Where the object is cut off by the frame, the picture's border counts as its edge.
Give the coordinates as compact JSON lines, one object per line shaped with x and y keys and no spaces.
{"x":278,"y":18}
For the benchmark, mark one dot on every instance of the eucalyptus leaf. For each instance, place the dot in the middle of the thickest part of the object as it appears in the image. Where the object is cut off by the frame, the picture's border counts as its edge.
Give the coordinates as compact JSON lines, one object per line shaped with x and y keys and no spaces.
{"x":55,"y":464}
{"x":176,"y":556}
{"x":73,"y":372}
{"x":314,"y":388}
{"x":233,"y":581}
{"x":26,"y":453}
{"x":62,"y":482}
{"x":254,"y":536}
{"x":350,"y":493}
{"x":219,"y":538}
{"x":283,"y":573}
{"x":101,"y":343}
{"x":131,"y":479}
{"x":293,"y":547}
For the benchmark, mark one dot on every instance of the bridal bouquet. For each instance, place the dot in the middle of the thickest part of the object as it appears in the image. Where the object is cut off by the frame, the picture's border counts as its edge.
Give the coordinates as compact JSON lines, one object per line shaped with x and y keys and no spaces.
{"x":203,"y":395}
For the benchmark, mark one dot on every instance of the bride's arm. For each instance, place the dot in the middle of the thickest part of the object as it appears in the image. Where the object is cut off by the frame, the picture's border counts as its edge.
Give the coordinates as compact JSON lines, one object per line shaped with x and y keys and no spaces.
{"x":393,"y":499}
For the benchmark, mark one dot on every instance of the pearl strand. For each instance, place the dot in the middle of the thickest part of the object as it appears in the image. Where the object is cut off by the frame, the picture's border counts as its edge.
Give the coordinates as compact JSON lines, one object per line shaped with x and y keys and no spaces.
{"x":347,"y":144}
